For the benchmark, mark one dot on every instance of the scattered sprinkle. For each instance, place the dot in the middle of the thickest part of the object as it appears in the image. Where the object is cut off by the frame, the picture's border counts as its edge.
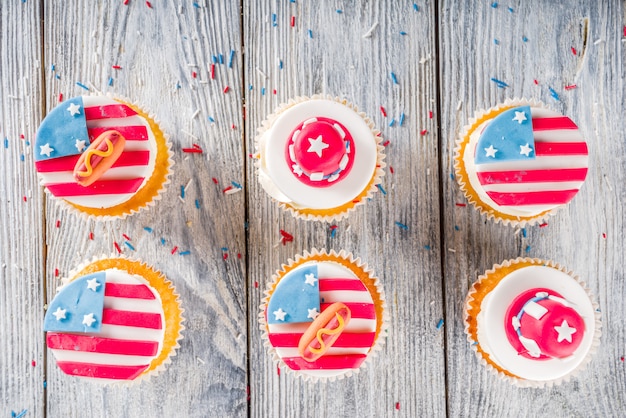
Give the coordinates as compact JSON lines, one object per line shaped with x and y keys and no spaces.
{"x":184,"y":252}
{"x":391,"y":169}
{"x":401,"y":225}
{"x":423,"y":132}
{"x":197,"y":204}
{"x":149,"y":5}
{"x":380,"y":187}
{"x":495,"y":41}
{"x":91,"y":236}
{"x":398,"y":403}
{"x":524,"y":233}
{"x":256,"y":284}
{"x":147,"y":229}
{"x":339,"y":11}
{"x":371,"y":30}
{"x":461,"y":205}
{"x":116,"y":67}
{"x":554,"y":94}
{"x":574,"y":51}
{"x":56,"y":272}
{"x":117,"y":247}
{"x":310,"y":34}
{"x":494,"y":5}
{"x":192,"y":150}
{"x":79,"y":84}
{"x":570,"y":87}
{"x":293,"y":21}
{"x":182,"y":192}
{"x":162,"y":241}
{"x":401,"y":121}
{"x":524,"y":39}
{"x":274,"y":23}
{"x":511,"y":10}
{"x":6,"y":142}
{"x":416,"y":7}
{"x":393,"y":122}
{"x":286,"y":237}
{"x":129,"y":245}
{"x":110,"y":83}
{"x":226,"y":89}
{"x":393,"y":78}
{"x":528,"y":248}
{"x":427,"y":247}
{"x":174,"y":249}
{"x":543,"y":225}
{"x":237,"y":185}
{"x":456,"y":228}
{"x":440,"y":323}
{"x":403,"y":33}
{"x":333,"y":231}
{"x":383,"y":111}
{"x":536,"y":82}
{"x":501,"y":84}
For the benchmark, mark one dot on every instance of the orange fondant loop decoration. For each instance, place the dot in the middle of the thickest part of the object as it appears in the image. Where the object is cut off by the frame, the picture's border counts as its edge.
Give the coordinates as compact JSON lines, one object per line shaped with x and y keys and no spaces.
{"x":99,"y":157}
{"x":324,"y":331}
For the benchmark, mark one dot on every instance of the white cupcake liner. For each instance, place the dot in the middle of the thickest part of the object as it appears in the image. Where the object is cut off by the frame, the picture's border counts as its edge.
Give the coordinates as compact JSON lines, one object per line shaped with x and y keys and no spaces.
{"x":475,"y":345}
{"x":369,"y":191}
{"x":306,"y":257}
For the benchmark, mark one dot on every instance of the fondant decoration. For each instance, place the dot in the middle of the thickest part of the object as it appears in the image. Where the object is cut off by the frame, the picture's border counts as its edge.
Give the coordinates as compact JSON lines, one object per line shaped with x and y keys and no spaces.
{"x":103,"y":152}
{"x":542,"y":325}
{"x":294,"y":296}
{"x":348,"y":351}
{"x":320,"y":152}
{"x":107,"y":325}
{"x":534,"y":164}
{"x":46,"y":149}
{"x":70,"y":134}
{"x":324,"y":331}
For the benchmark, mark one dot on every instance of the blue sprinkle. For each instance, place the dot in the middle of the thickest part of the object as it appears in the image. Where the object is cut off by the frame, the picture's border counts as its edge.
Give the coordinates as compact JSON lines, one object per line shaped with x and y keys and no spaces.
{"x":79,"y":84}
{"x":525,"y":39}
{"x":310,"y":34}
{"x":21,"y":414}
{"x":402,"y":33}
{"x":178,"y":85}
{"x":416,"y":7}
{"x":475,"y":343}
{"x":52,"y":67}
{"x":333,"y":232}
{"x":262,"y":91}
{"x":22,"y":157}
{"x":401,"y":121}
{"x":28,"y":143}
{"x":452,"y":176}
{"x":224,"y":249}
{"x":393,"y":77}
{"x":380,"y":187}
{"x":185,"y":253}
{"x":495,"y":41}
{"x":528,"y":248}
{"x":110,"y":81}
{"x":280,"y":64}
{"x":456,"y":228}
{"x":221,"y":59}
{"x":427,"y":247}
{"x":250,"y":87}
{"x":147,"y":229}
{"x":440,"y":324}
{"x":45,"y":384}
{"x":339,"y":11}
{"x":196,"y":5}
{"x":274,"y":20}
{"x":401,"y":225}
{"x":129,"y":245}
{"x":292,"y":1}
{"x":197,"y":204}
{"x":230,"y":59}
{"x":211,"y":119}
{"x":494,"y":5}
{"x":524,"y":232}
{"x":237,"y":185}
{"x":162,"y":241}
{"x":499,"y":83}
{"x":182,"y":191}
{"x":6,"y":142}
{"x":393,"y":121}
{"x":58,"y":77}
{"x":554,"y":94}
{"x":511,"y":9}
{"x":214,"y":59}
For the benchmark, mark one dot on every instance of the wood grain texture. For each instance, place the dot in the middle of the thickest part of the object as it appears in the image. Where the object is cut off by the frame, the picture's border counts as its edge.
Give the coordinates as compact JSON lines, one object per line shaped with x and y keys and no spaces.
{"x":469,"y":58}
{"x":158,"y":49}
{"x":21,"y":241}
{"x":335,"y":59}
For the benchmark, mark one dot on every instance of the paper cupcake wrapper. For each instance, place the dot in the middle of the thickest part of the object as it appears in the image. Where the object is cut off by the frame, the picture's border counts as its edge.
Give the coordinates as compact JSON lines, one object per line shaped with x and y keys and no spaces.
{"x":462,"y":178}
{"x":173,"y":312}
{"x":145,"y":197}
{"x":488,"y":282}
{"x":340,"y":212}
{"x":363,"y":273}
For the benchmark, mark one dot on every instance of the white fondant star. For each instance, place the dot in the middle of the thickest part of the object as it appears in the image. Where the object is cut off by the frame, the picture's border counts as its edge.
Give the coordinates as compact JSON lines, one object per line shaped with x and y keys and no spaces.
{"x":59,"y":313}
{"x":312,"y":313}
{"x":296,"y":169}
{"x":520,"y":117}
{"x":80,"y":144}
{"x":491,"y":151}
{"x":317,"y":145}
{"x":565,"y":332}
{"x":74,"y":109}
{"x":310,"y":279}
{"x":93,"y":284}
{"x":46,"y":149}
{"x":279,"y":314}
{"x":88,"y":319}
{"x":525,"y":149}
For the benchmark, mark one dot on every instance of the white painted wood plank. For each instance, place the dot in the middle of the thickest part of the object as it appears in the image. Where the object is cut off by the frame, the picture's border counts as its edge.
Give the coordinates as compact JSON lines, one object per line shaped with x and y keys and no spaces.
{"x":469,"y":58}
{"x":21,"y":229}
{"x":336,"y":59}
{"x":157,"y":49}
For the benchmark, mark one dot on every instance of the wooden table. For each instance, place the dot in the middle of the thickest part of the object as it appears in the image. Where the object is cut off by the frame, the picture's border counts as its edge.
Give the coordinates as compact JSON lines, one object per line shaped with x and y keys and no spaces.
{"x":443,"y":55}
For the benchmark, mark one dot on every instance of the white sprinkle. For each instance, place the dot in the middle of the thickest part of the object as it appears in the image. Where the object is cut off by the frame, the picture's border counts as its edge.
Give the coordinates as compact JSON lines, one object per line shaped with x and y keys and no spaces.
{"x":371,"y":30}
{"x":139,"y":82}
{"x":191,"y":65}
{"x":95,"y":58}
{"x":180,"y":8}
{"x":452,"y":250}
{"x":94,"y":87}
{"x":598,"y":41}
{"x":25,"y":86}
{"x":425,"y":59}
{"x":233,"y":190}
{"x":181,"y":199}
{"x":196,"y":113}
{"x":187,"y":185}
{"x":460,"y":105}
{"x":190,"y":134}
{"x":606,"y":179}
{"x":203,"y":82}
{"x":93,"y":33}
{"x":428,"y":171}
{"x":200,"y":360}
{"x":14,"y":97}
{"x":517,"y":231}
{"x":261,"y":72}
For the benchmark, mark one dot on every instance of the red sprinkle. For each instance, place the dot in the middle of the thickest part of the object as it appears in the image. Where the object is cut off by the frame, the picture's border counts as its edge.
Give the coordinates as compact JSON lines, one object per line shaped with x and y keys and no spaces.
{"x":573,"y":50}
{"x":543,"y":225}
{"x":256,"y":284}
{"x":391,"y":169}
{"x":278,"y":370}
{"x":60,"y":97}
{"x":571,"y":86}
{"x":174,"y":249}
{"x":287,"y":237}
{"x":603,"y":235}
{"x":386,"y":143}
{"x":126,"y":237}
{"x":192,"y":150}
{"x":461,"y":205}
{"x":214,"y":180}
{"x":382,"y":110}
{"x":227,"y":189}
{"x":33,"y":363}
{"x":116,"y":67}
{"x":212,"y":71}
{"x":196,"y":146}
{"x":225,"y":256}
{"x":622,"y":357}
{"x":424,"y":132}
{"x":25,"y":199}
{"x":536,"y":82}
{"x":58,"y":223}
{"x":117,"y":247}
{"x":56,"y":272}
{"x":624,"y":31}
{"x":238,"y":255}
{"x":226,"y":89}
{"x":398,"y":406}
{"x":293,"y":23}
{"x":430,"y":114}
{"x":91,"y":236}
{"x":125,"y":2}
{"x":194,"y":74}
{"x":149,"y":4}
{"x":274,"y":91}
{"x":233,"y":127}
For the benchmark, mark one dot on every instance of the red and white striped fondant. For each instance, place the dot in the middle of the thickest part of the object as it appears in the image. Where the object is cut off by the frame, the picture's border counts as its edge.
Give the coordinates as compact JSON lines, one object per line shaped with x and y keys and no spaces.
{"x":336,"y":284}
{"x":131,"y":334}
{"x":547,"y":181}
{"x":127,"y":175}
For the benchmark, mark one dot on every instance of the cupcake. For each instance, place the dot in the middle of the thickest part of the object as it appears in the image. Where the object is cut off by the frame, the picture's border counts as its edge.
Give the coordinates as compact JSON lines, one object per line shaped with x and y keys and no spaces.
{"x":532,"y":322}
{"x":519,"y":162}
{"x":319,"y":157}
{"x":323,"y":315}
{"x":102,"y":157}
{"x":114,"y":320}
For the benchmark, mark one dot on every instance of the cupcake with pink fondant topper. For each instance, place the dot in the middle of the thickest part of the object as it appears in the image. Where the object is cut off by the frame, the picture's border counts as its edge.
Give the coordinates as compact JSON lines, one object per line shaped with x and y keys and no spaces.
{"x":532,"y":322}
{"x":319,"y":157}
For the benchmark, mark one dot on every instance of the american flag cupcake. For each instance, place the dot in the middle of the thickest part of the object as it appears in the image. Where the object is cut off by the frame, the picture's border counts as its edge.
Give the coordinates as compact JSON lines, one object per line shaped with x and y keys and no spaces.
{"x":323,"y":315}
{"x":319,"y":157}
{"x":520,"y":161}
{"x":102,"y":157}
{"x":114,"y":320}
